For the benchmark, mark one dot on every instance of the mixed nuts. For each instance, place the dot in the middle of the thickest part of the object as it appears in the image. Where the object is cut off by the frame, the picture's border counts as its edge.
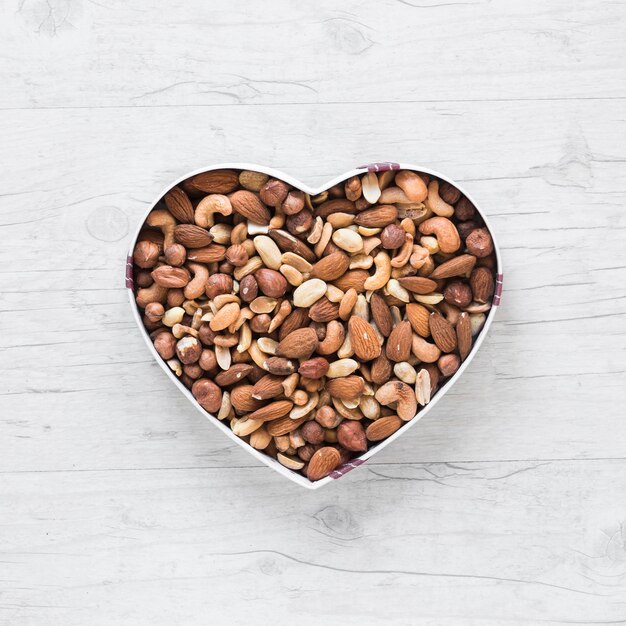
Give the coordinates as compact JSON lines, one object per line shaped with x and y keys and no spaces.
{"x":315,"y":325}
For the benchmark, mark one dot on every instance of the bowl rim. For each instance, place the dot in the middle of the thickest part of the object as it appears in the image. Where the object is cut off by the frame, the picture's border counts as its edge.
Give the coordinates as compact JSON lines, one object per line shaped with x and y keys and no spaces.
{"x":291,"y":180}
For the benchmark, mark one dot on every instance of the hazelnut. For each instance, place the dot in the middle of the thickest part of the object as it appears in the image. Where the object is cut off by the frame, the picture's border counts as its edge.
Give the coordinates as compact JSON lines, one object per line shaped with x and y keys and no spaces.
{"x":448,"y":364}
{"x":392,"y":237}
{"x":330,"y":435}
{"x":312,"y":432}
{"x":248,"y":288}
{"x":218,"y":284}
{"x":188,"y":350}
{"x":351,"y":435}
{"x":165,"y":345}
{"x":307,"y":451}
{"x":458,"y":293}
{"x":226,"y":268}
{"x":327,"y":417}
{"x":448,"y":192}
{"x":274,"y":192}
{"x":193,"y":370}
{"x":271,"y":283}
{"x":206,"y":334}
{"x":260,"y":323}
{"x":143,"y":279}
{"x":175,"y":255}
{"x":464,"y":209}
{"x":479,"y":243}
{"x":236,"y":255}
{"x":154,"y":312}
{"x":293,"y":203}
{"x":320,"y":330}
{"x":208,"y":394}
{"x":207,"y":360}
{"x":465,"y":228}
{"x":146,"y":254}
{"x":175,"y":297}
{"x":300,"y":223}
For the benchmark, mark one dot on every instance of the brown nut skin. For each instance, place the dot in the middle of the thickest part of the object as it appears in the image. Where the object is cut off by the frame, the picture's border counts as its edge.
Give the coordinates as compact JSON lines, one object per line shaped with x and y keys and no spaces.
{"x":448,"y":192}
{"x":482,"y":284}
{"x":274,"y":192}
{"x":165,"y":345}
{"x":479,"y":243}
{"x":175,"y":297}
{"x":448,"y":364}
{"x":392,"y":237}
{"x":193,"y":370}
{"x":314,"y":368}
{"x":188,"y":350}
{"x":307,"y":451}
{"x":465,"y":228}
{"x":236,"y":255}
{"x":248,"y":288}
{"x":154,"y":312}
{"x":206,"y":334}
{"x":458,"y":294}
{"x":260,"y":323}
{"x":208,"y":394}
{"x":207,"y":360}
{"x":146,"y":254}
{"x":327,"y":417}
{"x":293,"y":203}
{"x":175,"y":255}
{"x":312,"y":432}
{"x":218,"y":284}
{"x":351,"y":435}
{"x":300,"y":223}
{"x":271,"y":283}
{"x":464,"y":209}
{"x":143,"y":279}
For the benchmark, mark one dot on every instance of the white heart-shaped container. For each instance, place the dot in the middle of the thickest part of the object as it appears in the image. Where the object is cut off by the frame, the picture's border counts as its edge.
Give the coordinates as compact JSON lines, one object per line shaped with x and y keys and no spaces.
{"x":270,"y":462}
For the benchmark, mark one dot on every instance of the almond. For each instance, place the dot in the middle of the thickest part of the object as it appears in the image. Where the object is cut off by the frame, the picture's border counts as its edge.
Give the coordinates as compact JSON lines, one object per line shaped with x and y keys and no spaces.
{"x":249,"y":205}
{"x":179,"y":205}
{"x":457,"y":266}
{"x":171,"y":277}
{"x":418,"y":284}
{"x":272,"y":411}
{"x":322,"y":463}
{"x":324,"y":310}
{"x":399,"y":343}
{"x":378,"y":217}
{"x":241,"y":398}
{"x":331,"y":267}
{"x":338,"y":205}
{"x":271,"y":283}
{"x":383,"y":427}
{"x":280,"y":366}
{"x":346,"y":388}
{"x":268,"y":387}
{"x":442,"y":332}
{"x":226,"y":316}
{"x":192,"y":236}
{"x":381,"y":370}
{"x":418,"y":317}
{"x":352,"y":279}
{"x":284,"y":425}
{"x":363,"y":339}
{"x":381,"y":314}
{"x":298,"y":318}
{"x":216,"y":181}
{"x":299,"y":344}
{"x":464,"y":335}
{"x":482,"y":284}
{"x":210,"y":254}
{"x":288,"y":243}
{"x":351,"y":435}
{"x":233,"y":374}
{"x":314,"y":368}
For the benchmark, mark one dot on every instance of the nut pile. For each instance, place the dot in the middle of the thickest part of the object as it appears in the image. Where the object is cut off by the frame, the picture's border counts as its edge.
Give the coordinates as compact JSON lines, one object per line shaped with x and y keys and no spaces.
{"x":314,"y":325}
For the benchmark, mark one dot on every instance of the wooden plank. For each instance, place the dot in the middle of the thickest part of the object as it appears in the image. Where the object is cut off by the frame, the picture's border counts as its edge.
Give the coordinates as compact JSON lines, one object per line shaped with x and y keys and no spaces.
{"x":446,"y":544}
{"x":549,"y":382}
{"x":70,"y":54}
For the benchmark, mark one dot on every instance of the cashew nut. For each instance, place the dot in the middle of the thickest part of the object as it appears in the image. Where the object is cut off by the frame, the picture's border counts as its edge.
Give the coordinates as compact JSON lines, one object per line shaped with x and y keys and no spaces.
{"x":222,"y":233}
{"x":396,"y":391}
{"x":300,"y":411}
{"x":412,"y":184}
{"x":316,"y":232}
{"x":370,"y":243}
{"x":445,"y":231}
{"x":395,"y":289}
{"x":335,"y":335}
{"x":283,"y":311}
{"x":402,"y":258}
{"x":195,"y":287}
{"x":383,"y":272}
{"x":437,"y":204}
{"x":154,"y":293}
{"x":213,"y":203}
{"x":418,"y":257}
{"x":290,"y":383}
{"x":165,"y":222}
{"x":320,"y":246}
{"x":239,"y":233}
{"x":424,"y":350}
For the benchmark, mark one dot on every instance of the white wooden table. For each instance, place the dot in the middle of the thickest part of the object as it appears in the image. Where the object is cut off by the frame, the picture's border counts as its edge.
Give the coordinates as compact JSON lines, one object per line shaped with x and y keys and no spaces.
{"x":120,"y":505}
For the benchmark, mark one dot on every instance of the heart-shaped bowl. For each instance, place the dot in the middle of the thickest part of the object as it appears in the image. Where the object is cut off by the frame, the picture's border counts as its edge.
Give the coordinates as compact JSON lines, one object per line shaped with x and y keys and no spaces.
{"x":373,"y":169}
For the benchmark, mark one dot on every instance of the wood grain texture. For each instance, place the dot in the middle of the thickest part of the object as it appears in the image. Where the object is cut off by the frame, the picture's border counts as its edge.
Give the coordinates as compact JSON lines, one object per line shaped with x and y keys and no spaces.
{"x":121,"y":504}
